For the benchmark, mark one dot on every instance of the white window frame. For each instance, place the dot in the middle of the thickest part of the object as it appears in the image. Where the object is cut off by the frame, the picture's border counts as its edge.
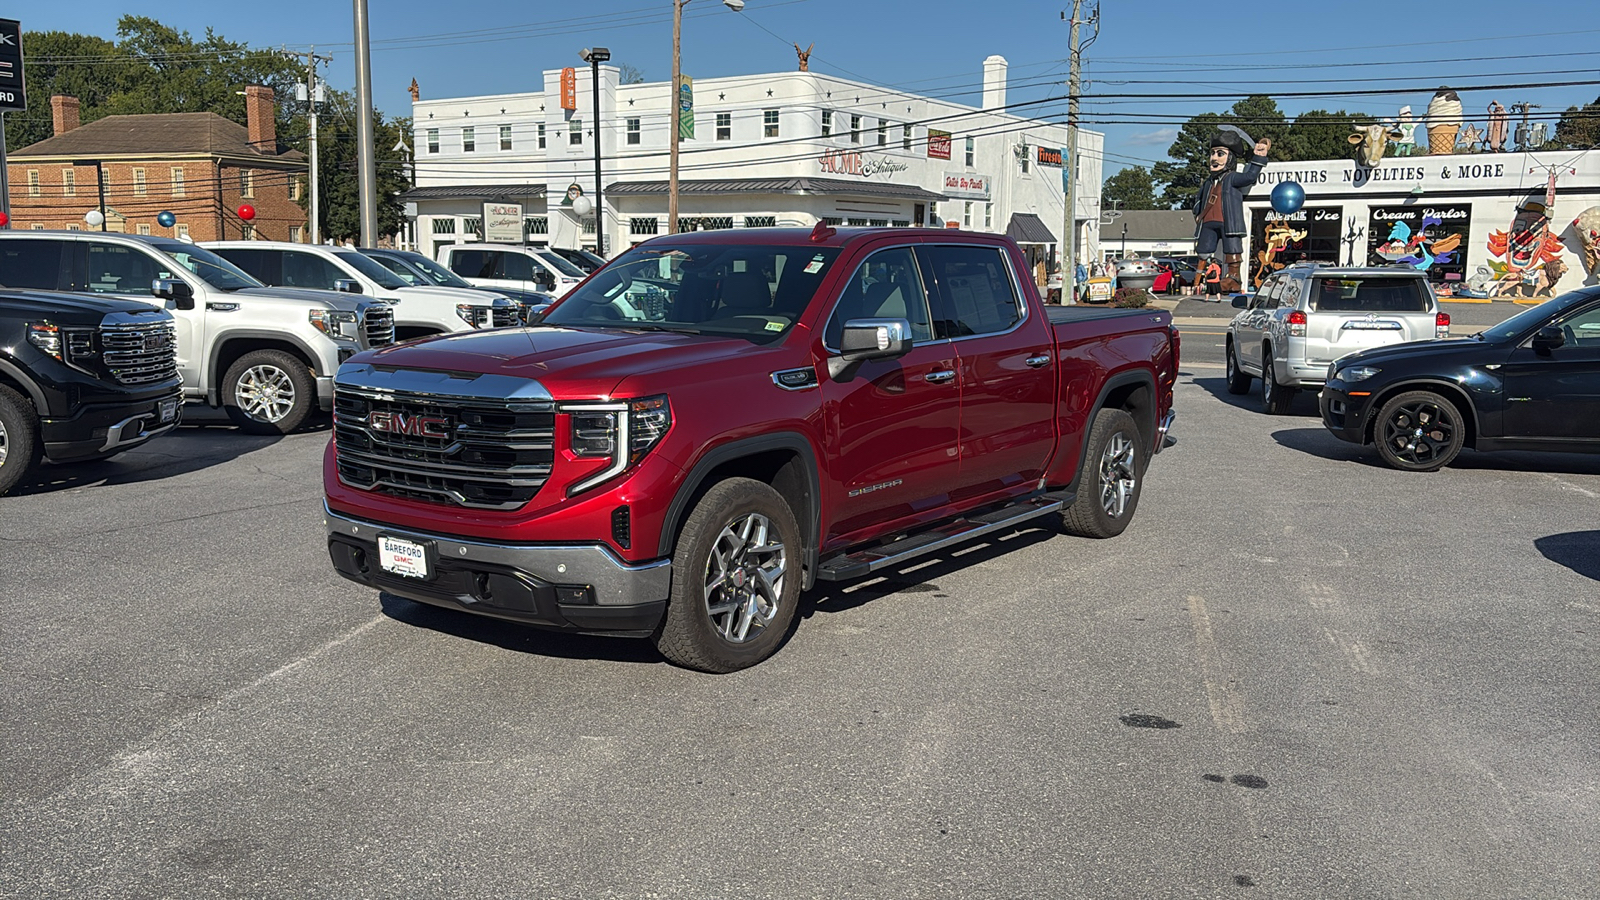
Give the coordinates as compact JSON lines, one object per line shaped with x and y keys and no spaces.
{"x":505,"y":137}
{"x":140,"y":186}
{"x":724,"y":126}
{"x":176,"y":183}
{"x":771,"y":124}
{"x":469,"y":139}
{"x":575,"y":132}
{"x":247,"y":183}
{"x":433,"y":140}
{"x":69,"y":182}
{"x":827,"y":123}
{"x":634,"y":130}
{"x":33,"y":183}
{"x":971,"y":151}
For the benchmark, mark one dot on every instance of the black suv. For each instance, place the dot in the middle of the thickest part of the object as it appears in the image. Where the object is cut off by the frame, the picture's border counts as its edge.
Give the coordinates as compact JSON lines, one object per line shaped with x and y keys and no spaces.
{"x":82,"y":378}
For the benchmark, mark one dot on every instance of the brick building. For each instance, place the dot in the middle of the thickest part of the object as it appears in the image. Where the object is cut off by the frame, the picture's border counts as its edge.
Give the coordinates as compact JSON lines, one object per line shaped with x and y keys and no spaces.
{"x":199,"y":166}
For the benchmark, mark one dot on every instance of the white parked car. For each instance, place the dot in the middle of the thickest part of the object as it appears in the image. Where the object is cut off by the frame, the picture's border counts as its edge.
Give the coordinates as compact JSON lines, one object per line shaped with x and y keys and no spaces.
{"x":512,"y":266}
{"x":418,"y":311}
{"x":1306,"y":316}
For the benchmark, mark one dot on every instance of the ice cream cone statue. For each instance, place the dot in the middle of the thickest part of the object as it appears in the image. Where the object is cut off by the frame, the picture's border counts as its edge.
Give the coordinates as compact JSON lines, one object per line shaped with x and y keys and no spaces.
{"x":1444,"y":122}
{"x":1587,"y":226}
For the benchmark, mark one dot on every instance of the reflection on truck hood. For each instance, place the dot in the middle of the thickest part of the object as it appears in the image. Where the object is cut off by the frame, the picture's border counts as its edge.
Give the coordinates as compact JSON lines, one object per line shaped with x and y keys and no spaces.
{"x":1412,"y":350}
{"x":459,"y":295}
{"x":331,"y":299}
{"x":571,"y":362}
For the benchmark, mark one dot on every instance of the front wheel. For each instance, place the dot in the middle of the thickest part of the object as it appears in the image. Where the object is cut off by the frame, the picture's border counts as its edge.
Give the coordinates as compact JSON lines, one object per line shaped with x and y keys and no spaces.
{"x":20,"y":449}
{"x":735,"y":579}
{"x":1419,"y":431}
{"x":1108,"y":492}
{"x":268,"y":392}
{"x":1238,"y":379}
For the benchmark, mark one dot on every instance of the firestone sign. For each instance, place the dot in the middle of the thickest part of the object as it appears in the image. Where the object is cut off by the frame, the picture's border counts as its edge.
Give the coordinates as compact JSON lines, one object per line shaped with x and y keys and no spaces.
{"x":966,"y":186}
{"x":853,"y":162}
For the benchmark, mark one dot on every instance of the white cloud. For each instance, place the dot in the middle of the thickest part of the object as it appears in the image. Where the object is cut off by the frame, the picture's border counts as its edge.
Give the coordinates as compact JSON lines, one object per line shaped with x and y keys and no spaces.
{"x":1152,"y":138}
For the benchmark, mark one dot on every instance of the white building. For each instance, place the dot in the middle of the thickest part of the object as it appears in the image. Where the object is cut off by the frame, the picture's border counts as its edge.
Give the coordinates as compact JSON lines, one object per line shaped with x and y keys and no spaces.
{"x":1480,"y":224}
{"x":787,"y":148}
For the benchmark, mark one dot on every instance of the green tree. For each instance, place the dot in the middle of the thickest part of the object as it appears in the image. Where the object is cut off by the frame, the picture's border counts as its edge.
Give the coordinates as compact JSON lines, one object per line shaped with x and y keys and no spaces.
{"x":627,"y":74}
{"x":90,"y":68}
{"x":1578,"y":128}
{"x":337,"y":168}
{"x":1258,"y":115}
{"x":1131,"y":188}
{"x":1319,"y":134}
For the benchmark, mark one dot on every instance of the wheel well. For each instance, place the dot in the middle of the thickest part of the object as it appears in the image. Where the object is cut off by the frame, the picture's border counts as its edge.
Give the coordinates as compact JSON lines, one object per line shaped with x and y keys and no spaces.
{"x":1136,"y":398}
{"x":232,"y":350}
{"x":19,"y":387}
{"x":1449,"y":392}
{"x":782,"y":468}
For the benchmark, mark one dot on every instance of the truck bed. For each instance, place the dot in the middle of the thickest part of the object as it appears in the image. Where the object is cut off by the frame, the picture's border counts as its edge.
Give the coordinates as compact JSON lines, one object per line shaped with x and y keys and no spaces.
{"x":1060,"y":315}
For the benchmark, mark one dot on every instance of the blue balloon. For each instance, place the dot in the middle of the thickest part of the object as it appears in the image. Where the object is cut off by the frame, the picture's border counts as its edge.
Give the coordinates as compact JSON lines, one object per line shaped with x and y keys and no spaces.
{"x":1288,"y":197}
{"x":166,"y":218}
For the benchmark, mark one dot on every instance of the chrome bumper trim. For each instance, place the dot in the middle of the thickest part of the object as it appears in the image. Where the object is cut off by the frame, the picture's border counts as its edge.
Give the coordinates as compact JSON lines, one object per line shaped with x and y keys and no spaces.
{"x":1165,"y":427}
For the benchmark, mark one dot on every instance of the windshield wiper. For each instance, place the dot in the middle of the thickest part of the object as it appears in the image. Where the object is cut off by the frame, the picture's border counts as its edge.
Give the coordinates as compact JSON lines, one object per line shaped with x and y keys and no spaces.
{"x":652,"y":326}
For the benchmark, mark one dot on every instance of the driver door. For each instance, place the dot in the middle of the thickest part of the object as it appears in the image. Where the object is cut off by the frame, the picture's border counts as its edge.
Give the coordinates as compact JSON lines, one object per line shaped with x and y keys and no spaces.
{"x":1555,"y":394}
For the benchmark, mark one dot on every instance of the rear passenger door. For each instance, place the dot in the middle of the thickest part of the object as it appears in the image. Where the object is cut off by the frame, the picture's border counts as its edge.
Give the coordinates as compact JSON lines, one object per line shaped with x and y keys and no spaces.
{"x":1007,"y":368}
{"x":43,"y":265}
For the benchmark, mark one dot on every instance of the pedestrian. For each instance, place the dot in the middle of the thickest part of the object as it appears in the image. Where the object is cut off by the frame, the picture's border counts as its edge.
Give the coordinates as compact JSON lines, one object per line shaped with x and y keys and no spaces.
{"x":1080,"y":279}
{"x":1213,"y":280}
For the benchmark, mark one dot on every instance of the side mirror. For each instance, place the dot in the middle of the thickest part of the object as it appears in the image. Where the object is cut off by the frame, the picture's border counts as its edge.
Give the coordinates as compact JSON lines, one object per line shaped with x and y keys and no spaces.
{"x":347,"y":286}
{"x":1240,"y":301}
{"x":1548,"y":338}
{"x":533,"y":315}
{"x":175,"y":289}
{"x":874,"y":339}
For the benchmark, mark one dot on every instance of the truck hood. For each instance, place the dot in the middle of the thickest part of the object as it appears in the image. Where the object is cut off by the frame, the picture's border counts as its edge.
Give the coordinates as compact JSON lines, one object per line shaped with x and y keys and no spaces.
{"x":72,"y":309}
{"x":330,"y":299}
{"x":572,"y":363}
{"x":440,"y":292}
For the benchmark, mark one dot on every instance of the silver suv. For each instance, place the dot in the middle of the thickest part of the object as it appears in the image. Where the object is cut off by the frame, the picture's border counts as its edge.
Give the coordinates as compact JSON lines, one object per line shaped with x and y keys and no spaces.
{"x":266,"y":355}
{"x":1306,"y":316}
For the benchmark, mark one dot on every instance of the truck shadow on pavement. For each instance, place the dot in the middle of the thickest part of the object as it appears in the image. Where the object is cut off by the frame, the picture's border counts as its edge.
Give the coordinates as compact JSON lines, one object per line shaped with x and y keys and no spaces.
{"x":1577,"y":550}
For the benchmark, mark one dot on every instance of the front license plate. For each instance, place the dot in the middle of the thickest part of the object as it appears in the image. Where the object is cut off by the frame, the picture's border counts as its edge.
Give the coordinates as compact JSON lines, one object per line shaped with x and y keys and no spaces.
{"x":402,"y":557}
{"x":168,"y":410}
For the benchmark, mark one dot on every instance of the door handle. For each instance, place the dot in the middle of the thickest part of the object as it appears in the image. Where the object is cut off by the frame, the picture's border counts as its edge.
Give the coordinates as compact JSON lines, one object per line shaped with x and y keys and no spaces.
{"x":1035,"y":362}
{"x":940,"y":377}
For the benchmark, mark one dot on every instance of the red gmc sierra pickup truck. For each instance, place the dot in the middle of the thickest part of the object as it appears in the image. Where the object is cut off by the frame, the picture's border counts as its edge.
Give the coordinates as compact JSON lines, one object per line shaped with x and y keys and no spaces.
{"x":715,"y":421}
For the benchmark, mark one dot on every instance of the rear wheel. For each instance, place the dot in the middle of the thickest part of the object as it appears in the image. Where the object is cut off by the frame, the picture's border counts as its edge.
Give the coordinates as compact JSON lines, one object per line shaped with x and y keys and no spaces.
{"x":20,"y":449}
{"x":268,"y":392}
{"x":1419,"y":431}
{"x":1238,"y":379}
{"x":1108,"y":492}
{"x":735,"y":579}
{"x":1275,"y":397}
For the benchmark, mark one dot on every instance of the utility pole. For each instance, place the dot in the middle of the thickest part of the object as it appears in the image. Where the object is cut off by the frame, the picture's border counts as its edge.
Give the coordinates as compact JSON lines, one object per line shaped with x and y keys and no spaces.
{"x":366,"y":161}
{"x":672,"y":124}
{"x":314,"y":94}
{"x":1069,"y":227}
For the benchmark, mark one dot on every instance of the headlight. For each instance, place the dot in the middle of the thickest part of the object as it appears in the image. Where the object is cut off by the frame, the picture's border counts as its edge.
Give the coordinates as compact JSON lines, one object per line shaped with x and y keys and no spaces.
{"x":1353,"y":374}
{"x":623,"y":432}
{"x":46,"y":337}
{"x":472,"y":315}
{"x":73,"y":346}
{"x":335,"y":323}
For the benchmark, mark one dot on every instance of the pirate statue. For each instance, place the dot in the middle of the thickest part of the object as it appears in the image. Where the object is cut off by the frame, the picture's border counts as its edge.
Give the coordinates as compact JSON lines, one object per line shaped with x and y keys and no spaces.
{"x":1219,"y":207}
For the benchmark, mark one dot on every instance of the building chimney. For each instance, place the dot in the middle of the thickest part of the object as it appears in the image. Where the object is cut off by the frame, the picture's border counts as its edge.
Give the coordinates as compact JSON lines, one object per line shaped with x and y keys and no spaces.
{"x":258,"y":117}
{"x":64,"y":113}
{"x":994,"y":82}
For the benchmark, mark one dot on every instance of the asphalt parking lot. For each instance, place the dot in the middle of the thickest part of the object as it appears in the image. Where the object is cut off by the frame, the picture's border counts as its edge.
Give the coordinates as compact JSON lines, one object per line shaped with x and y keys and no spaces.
{"x":1298,"y":674}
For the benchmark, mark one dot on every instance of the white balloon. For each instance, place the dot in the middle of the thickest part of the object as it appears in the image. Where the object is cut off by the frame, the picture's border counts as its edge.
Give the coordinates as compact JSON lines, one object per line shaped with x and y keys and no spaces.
{"x":583,"y":206}
{"x":94,"y":217}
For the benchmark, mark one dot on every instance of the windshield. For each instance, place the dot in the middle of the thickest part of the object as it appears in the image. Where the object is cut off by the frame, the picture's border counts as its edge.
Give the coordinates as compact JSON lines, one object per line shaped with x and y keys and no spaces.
{"x":561,"y":265}
{"x":399,"y":268}
{"x":384,"y":277}
{"x":436,"y":273}
{"x":751,"y":291}
{"x":1533,"y":317}
{"x":207,"y":266}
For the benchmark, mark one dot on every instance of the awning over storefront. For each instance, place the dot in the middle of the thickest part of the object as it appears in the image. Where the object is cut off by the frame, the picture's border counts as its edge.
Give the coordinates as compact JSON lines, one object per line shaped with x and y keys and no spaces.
{"x":503,"y":192}
{"x":734,"y":186}
{"x":1027,"y":228}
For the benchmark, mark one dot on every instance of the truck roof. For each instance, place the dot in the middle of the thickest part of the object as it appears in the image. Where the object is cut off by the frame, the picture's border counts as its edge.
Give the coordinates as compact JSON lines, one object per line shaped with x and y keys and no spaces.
{"x":831,"y":236}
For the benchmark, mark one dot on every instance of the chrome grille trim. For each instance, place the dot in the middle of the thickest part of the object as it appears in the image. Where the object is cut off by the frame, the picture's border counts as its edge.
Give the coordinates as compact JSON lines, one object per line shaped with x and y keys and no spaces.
{"x":140,"y":354}
{"x":377,"y":326}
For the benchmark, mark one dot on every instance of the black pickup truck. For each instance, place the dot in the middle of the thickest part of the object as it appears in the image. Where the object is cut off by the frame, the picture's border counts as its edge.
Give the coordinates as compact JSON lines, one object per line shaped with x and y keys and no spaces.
{"x":82,"y":378}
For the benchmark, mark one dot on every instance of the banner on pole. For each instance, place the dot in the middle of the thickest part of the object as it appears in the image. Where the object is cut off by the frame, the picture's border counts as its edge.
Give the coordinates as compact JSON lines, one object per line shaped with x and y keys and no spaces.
{"x":685,"y":108}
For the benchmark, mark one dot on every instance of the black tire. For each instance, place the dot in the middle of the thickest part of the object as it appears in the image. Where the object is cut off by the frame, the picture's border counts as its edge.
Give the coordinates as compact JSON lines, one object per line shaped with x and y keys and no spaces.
{"x":20,"y":448}
{"x":1238,"y":379}
{"x":723,"y":621}
{"x":1275,"y":398}
{"x":268,"y":392}
{"x":1113,"y":476}
{"x":1419,"y":431}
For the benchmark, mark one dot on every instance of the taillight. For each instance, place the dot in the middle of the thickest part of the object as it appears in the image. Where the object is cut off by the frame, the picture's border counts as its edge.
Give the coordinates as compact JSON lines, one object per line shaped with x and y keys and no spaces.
{"x":1441,"y":326}
{"x":1297,"y":324}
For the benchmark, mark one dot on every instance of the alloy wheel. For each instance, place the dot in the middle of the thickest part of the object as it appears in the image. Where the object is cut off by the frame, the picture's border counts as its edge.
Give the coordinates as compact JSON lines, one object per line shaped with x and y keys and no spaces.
{"x":265,"y":393}
{"x":4,"y":443}
{"x":1118,"y":475}
{"x":744,"y":578}
{"x":1420,"y":432}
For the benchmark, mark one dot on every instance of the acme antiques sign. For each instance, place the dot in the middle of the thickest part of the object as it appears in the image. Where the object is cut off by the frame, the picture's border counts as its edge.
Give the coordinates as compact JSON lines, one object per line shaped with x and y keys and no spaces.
{"x":853,"y":162}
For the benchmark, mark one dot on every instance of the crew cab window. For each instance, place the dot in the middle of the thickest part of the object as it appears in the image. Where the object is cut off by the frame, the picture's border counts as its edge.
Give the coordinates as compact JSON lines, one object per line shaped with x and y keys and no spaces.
{"x":309,"y":270}
{"x":472,"y":263}
{"x":887,"y":285}
{"x":511,"y":265}
{"x":975,"y":291}
{"x":265,"y":266}
{"x":32,"y":264}
{"x":1375,"y":294}
{"x":114,"y":269}
{"x":399,"y":269}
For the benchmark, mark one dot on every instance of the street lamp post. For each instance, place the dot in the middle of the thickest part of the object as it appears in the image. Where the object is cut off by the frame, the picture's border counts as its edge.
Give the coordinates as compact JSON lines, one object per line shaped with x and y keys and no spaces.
{"x":594,"y":57}
{"x":1124,"y":240}
{"x":672,"y":106}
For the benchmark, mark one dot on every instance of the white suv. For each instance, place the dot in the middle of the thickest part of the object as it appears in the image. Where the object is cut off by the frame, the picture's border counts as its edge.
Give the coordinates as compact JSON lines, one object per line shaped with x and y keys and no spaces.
{"x":512,"y":266}
{"x":1306,"y":316}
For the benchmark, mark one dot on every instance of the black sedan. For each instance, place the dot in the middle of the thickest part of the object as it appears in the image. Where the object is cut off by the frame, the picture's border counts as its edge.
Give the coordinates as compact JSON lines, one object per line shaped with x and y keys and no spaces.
{"x":1530,"y":383}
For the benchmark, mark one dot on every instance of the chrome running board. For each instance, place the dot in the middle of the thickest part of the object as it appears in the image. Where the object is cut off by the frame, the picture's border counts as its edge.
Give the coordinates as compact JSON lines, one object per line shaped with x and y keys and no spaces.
{"x":858,"y":563}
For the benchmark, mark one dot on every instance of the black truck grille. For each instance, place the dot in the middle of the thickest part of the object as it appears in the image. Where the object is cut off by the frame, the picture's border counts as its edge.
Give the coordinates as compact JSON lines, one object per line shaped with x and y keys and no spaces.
{"x":378,"y":326}
{"x":476,"y":453}
{"x":492,"y":316}
{"x":506,"y":316}
{"x":140,"y":354}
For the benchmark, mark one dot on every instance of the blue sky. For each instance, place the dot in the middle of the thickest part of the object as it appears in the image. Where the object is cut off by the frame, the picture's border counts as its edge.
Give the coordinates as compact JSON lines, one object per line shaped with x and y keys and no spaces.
{"x":937,"y":47}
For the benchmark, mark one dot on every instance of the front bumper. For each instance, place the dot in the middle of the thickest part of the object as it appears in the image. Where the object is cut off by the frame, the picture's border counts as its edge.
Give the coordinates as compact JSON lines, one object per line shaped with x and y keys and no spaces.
{"x":1344,"y":415}
{"x":577,"y":587}
{"x":101,"y":428}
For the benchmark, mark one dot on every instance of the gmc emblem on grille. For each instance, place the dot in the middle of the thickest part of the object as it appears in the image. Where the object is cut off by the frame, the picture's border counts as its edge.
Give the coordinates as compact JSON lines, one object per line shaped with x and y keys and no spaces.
{"x":411,"y":426}
{"x":156,"y":341}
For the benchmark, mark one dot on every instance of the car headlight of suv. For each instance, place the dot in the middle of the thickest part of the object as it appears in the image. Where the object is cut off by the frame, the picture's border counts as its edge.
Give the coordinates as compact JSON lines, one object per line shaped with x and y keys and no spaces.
{"x":623,"y":432}
{"x":338,"y":324}
{"x":73,"y":346}
{"x":1353,"y":374}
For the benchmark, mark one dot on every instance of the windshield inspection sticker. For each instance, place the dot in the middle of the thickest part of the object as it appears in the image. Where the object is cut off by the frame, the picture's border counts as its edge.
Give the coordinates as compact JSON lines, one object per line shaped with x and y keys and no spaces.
{"x":815,"y":265}
{"x":774,"y":326}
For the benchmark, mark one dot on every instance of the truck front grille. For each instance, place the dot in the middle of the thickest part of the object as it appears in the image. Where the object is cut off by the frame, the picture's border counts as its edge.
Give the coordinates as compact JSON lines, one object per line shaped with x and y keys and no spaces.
{"x":490,"y":316}
{"x":505,"y":316}
{"x":140,"y":354}
{"x":378,"y":326}
{"x":483,"y":454}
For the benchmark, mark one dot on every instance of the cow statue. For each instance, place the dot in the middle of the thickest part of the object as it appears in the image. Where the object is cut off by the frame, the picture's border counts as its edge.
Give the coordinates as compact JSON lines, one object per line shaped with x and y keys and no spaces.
{"x":1370,"y":141}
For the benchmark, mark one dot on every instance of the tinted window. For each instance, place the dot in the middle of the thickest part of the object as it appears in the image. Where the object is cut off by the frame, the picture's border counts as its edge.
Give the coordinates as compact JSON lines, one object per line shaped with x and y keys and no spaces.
{"x":1379,"y":294}
{"x":434,"y":272}
{"x":1582,"y":329}
{"x":265,"y":266}
{"x":886,"y":286}
{"x":514,"y":266}
{"x":309,"y":270}
{"x":472,"y":263}
{"x":974,"y":289}
{"x":398,"y":268}
{"x":364,"y":265}
{"x":209,"y":267}
{"x":561,"y":265}
{"x":114,"y":269}
{"x":31,"y":264}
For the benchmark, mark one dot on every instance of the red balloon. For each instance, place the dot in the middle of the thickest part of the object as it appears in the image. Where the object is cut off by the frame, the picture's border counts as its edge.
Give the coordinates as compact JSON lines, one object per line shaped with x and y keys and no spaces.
{"x":4,"y":220}
{"x":247,"y":212}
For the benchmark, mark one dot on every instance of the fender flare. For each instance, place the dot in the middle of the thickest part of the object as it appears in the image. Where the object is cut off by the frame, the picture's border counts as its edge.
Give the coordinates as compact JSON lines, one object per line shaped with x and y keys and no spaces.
{"x":1141,"y":377}
{"x":1431,"y":383}
{"x":810,"y":519}
{"x":214,"y":389}
{"x":20,"y":377}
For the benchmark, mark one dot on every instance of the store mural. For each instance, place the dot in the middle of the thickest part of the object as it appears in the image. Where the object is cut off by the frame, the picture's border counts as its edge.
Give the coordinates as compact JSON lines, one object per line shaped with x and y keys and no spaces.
{"x":1310,"y":233}
{"x":1428,"y":238}
{"x":1525,"y":260}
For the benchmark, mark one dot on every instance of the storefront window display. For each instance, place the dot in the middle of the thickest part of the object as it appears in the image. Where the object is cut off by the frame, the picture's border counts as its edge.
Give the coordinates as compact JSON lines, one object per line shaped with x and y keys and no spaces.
{"x":1432,"y":238}
{"x":1309,"y":234}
